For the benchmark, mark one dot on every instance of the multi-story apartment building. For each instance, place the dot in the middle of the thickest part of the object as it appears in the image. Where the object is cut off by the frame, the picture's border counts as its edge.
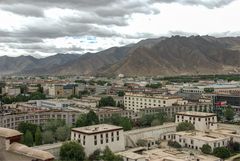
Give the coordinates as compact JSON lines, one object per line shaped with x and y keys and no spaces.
{"x":98,"y":137}
{"x":105,"y":113}
{"x":62,"y":90}
{"x":172,"y":110}
{"x":201,"y":120}
{"x":13,"y":120}
{"x":138,"y":101}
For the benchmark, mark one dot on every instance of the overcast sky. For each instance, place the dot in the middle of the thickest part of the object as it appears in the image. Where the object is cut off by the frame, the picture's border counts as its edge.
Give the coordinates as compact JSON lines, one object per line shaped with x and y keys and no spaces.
{"x":47,"y":27}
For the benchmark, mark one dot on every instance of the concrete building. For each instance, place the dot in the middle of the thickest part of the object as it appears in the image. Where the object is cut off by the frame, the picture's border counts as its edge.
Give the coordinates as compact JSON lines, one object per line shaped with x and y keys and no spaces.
{"x":11,"y":91}
{"x":13,"y":120}
{"x":62,"y":90}
{"x":163,"y":154}
{"x":54,"y":104}
{"x":87,"y":102}
{"x":201,"y":120}
{"x":172,"y":110}
{"x":196,"y":139}
{"x":98,"y":137}
{"x":105,"y":113}
{"x":12,"y":150}
{"x":138,"y":101}
{"x":155,"y":133}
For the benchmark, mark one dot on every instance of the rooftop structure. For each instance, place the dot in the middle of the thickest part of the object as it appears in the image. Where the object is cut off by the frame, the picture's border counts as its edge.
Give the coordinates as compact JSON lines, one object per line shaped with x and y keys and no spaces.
{"x":89,"y":130}
{"x":196,"y":114}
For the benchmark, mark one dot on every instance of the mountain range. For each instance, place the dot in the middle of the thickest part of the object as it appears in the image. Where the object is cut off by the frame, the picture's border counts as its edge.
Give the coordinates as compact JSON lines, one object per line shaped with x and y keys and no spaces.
{"x":176,"y":55}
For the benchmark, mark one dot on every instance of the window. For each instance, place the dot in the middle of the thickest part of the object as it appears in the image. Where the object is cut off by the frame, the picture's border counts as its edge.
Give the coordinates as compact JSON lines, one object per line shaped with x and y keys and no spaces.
{"x":95,"y":139}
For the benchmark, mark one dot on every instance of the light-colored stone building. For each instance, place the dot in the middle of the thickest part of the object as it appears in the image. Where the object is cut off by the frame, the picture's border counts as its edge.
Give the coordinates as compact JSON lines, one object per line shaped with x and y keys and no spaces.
{"x":196,"y":139}
{"x":54,"y":103}
{"x":163,"y":154}
{"x":99,"y":137}
{"x":172,"y":110}
{"x":138,"y":101}
{"x":12,"y":150}
{"x":201,"y":120}
{"x":13,"y":120}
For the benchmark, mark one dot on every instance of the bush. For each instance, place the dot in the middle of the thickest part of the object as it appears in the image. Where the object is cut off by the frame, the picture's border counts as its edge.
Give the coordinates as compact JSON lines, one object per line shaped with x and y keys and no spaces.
{"x":185,"y":126}
{"x":221,"y":152}
{"x":206,"y":149}
{"x":174,"y":144}
{"x":72,"y":151}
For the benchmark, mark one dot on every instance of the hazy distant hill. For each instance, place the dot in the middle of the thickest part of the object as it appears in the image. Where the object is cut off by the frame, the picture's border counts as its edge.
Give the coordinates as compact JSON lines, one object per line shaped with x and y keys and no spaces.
{"x":163,"y":56}
{"x":31,"y":65}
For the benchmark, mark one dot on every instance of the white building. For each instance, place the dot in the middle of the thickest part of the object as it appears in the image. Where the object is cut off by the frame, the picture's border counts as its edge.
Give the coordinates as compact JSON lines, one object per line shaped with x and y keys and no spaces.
{"x":201,"y":120}
{"x":135,"y":102}
{"x":196,"y":139}
{"x":98,"y":137}
{"x":54,"y":104}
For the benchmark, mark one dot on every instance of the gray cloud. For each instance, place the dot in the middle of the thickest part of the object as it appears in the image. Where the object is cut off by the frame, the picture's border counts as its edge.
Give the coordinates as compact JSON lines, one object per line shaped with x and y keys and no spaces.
{"x":92,"y":18}
{"x":23,"y":9}
{"x":209,"y":4}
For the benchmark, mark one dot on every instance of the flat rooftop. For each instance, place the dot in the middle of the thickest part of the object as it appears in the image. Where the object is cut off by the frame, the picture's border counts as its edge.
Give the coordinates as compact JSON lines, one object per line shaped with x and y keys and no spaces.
{"x":96,"y":129}
{"x":164,"y":154}
{"x":209,"y":137}
{"x":194,"y":113}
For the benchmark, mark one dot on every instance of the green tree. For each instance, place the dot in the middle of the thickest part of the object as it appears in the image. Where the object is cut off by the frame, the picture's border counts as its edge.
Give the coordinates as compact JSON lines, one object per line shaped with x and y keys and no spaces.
{"x":108,"y":155}
{"x":81,"y":121}
{"x":206,"y":149}
{"x":174,"y":144}
{"x":24,"y":126}
{"x":28,"y":138}
{"x":40,"y":88}
{"x":208,"y":90}
{"x":92,"y":118}
{"x":62,"y":133}
{"x":107,"y":101}
{"x":154,"y":86}
{"x":72,"y":151}
{"x":95,"y":156}
{"x":38,"y":137}
{"x":229,"y":113}
{"x":146,"y":120}
{"x":185,"y":126}
{"x":120,"y":93}
{"x":48,"y":137}
{"x":117,"y":120}
{"x":52,"y":125}
{"x":221,"y":152}
{"x":233,"y":146}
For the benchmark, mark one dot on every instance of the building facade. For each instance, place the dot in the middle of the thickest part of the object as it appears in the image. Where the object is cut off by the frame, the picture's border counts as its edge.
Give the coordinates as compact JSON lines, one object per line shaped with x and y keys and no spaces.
{"x":99,"y":137}
{"x":13,"y":120}
{"x":202,"y":121}
{"x":136,"y":102}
